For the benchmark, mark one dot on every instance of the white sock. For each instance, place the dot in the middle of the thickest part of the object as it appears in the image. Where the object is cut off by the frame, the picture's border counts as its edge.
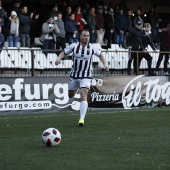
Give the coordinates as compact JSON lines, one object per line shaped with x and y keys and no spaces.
{"x":83,"y":109}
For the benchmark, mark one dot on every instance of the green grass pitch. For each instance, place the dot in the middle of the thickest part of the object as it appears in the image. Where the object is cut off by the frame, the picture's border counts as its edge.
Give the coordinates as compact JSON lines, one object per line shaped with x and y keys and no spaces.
{"x":137,"y":139}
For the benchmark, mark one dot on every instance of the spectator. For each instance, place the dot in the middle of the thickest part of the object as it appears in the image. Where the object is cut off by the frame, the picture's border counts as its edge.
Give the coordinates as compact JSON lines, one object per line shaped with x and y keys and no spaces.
{"x":63,"y":7}
{"x":13,"y":29}
{"x":138,"y":17}
{"x":54,"y":11}
{"x":153,"y":19}
{"x":3,"y":13}
{"x":61,"y":39}
{"x":147,"y":40}
{"x":86,"y":9}
{"x":49,"y":34}
{"x":71,"y":30}
{"x":24,"y":26}
{"x":67,"y":13}
{"x":91,"y":24}
{"x":134,"y":43}
{"x":3,"y":17}
{"x":109,"y":25}
{"x":2,"y":40}
{"x":164,"y":49}
{"x":105,"y":10}
{"x":120,"y":27}
{"x":79,"y":19}
{"x":15,"y":6}
{"x":116,"y":9}
{"x":129,"y":23}
{"x":100,"y":27}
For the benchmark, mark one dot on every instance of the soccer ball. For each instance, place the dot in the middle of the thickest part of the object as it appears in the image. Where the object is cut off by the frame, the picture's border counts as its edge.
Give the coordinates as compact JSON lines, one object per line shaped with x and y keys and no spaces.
{"x":51,"y":137}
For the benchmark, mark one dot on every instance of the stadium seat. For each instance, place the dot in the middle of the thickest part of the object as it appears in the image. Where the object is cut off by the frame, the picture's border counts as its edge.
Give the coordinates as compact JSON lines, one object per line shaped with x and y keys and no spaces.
{"x":52,"y":58}
{"x":143,"y":64}
{"x":42,"y":61}
{"x":15,"y":56}
{"x":5,"y":61}
{"x":115,"y":47}
{"x":26,"y":56}
{"x":37,"y":41}
{"x":68,"y":64}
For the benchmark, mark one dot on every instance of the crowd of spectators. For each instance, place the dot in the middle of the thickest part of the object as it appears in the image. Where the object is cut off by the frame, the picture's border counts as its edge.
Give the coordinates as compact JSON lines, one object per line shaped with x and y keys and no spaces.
{"x":23,"y":20}
{"x":60,"y":23}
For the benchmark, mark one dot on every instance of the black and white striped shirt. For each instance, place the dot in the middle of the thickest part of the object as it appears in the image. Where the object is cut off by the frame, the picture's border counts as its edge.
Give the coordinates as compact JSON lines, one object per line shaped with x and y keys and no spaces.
{"x":82,"y":59}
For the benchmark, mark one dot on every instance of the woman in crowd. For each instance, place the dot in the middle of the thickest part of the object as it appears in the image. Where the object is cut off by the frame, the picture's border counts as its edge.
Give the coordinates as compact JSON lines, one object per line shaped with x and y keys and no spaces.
{"x":13,"y":29}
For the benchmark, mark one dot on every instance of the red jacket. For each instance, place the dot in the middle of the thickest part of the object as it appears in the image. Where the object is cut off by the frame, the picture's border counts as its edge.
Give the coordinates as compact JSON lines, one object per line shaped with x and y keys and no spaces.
{"x":78,"y":18}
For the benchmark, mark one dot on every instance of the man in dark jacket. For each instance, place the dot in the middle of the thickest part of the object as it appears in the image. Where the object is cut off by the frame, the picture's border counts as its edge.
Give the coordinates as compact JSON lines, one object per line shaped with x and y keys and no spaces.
{"x":71,"y":30}
{"x":120,"y":27}
{"x":2,"y":40}
{"x":134,"y":43}
{"x":25,"y":22}
{"x":109,"y":25}
{"x":164,"y":49}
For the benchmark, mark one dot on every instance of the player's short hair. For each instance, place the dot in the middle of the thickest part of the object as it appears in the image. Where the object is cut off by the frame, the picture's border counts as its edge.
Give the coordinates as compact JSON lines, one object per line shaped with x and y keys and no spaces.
{"x":84,"y":31}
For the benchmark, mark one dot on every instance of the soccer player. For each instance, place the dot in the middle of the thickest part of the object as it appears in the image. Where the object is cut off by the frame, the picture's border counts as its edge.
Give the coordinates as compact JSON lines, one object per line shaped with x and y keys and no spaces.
{"x":81,"y":73}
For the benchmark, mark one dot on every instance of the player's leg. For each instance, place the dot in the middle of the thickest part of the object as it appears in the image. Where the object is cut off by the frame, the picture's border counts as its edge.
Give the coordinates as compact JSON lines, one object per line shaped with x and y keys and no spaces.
{"x":73,"y":85}
{"x":84,"y":89}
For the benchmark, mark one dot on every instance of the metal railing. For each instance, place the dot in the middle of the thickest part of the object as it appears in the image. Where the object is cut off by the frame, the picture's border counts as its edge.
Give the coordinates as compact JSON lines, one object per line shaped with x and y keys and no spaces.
{"x":32,"y":62}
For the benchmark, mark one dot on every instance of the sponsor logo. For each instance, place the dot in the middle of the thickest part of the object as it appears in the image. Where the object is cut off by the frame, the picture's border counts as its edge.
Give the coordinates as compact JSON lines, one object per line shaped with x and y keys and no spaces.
{"x":153,"y":92}
{"x":22,"y":96}
{"x":104,"y":97}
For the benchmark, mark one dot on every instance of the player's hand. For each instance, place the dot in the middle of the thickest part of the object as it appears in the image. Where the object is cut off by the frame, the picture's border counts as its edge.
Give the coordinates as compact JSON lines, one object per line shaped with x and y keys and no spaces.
{"x":106,"y":68}
{"x":58,"y":61}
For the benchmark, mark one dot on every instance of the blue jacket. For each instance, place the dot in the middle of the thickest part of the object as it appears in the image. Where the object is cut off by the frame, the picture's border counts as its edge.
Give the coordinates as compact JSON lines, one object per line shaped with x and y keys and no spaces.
{"x":70,"y":26}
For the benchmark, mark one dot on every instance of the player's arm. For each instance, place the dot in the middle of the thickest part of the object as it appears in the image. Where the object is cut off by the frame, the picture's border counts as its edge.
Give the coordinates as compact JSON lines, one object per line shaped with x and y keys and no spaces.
{"x":102,"y":59}
{"x":60,"y":57}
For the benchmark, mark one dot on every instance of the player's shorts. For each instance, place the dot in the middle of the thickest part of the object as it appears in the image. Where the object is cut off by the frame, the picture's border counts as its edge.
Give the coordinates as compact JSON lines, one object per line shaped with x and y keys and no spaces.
{"x":74,"y":84}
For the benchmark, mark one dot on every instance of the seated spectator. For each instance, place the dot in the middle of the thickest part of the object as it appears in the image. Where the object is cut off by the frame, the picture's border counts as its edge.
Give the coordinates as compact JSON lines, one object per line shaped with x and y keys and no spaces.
{"x":24,"y":26}
{"x":71,"y":30}
{"x":2,"y":40}
{"x":13,"y":29}
{"x":49,"y":33}
{"x":61,"y":39}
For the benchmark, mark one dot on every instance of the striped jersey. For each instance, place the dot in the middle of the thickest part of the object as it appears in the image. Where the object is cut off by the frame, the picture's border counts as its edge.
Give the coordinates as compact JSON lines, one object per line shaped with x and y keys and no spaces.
{"x":82,"y":59}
